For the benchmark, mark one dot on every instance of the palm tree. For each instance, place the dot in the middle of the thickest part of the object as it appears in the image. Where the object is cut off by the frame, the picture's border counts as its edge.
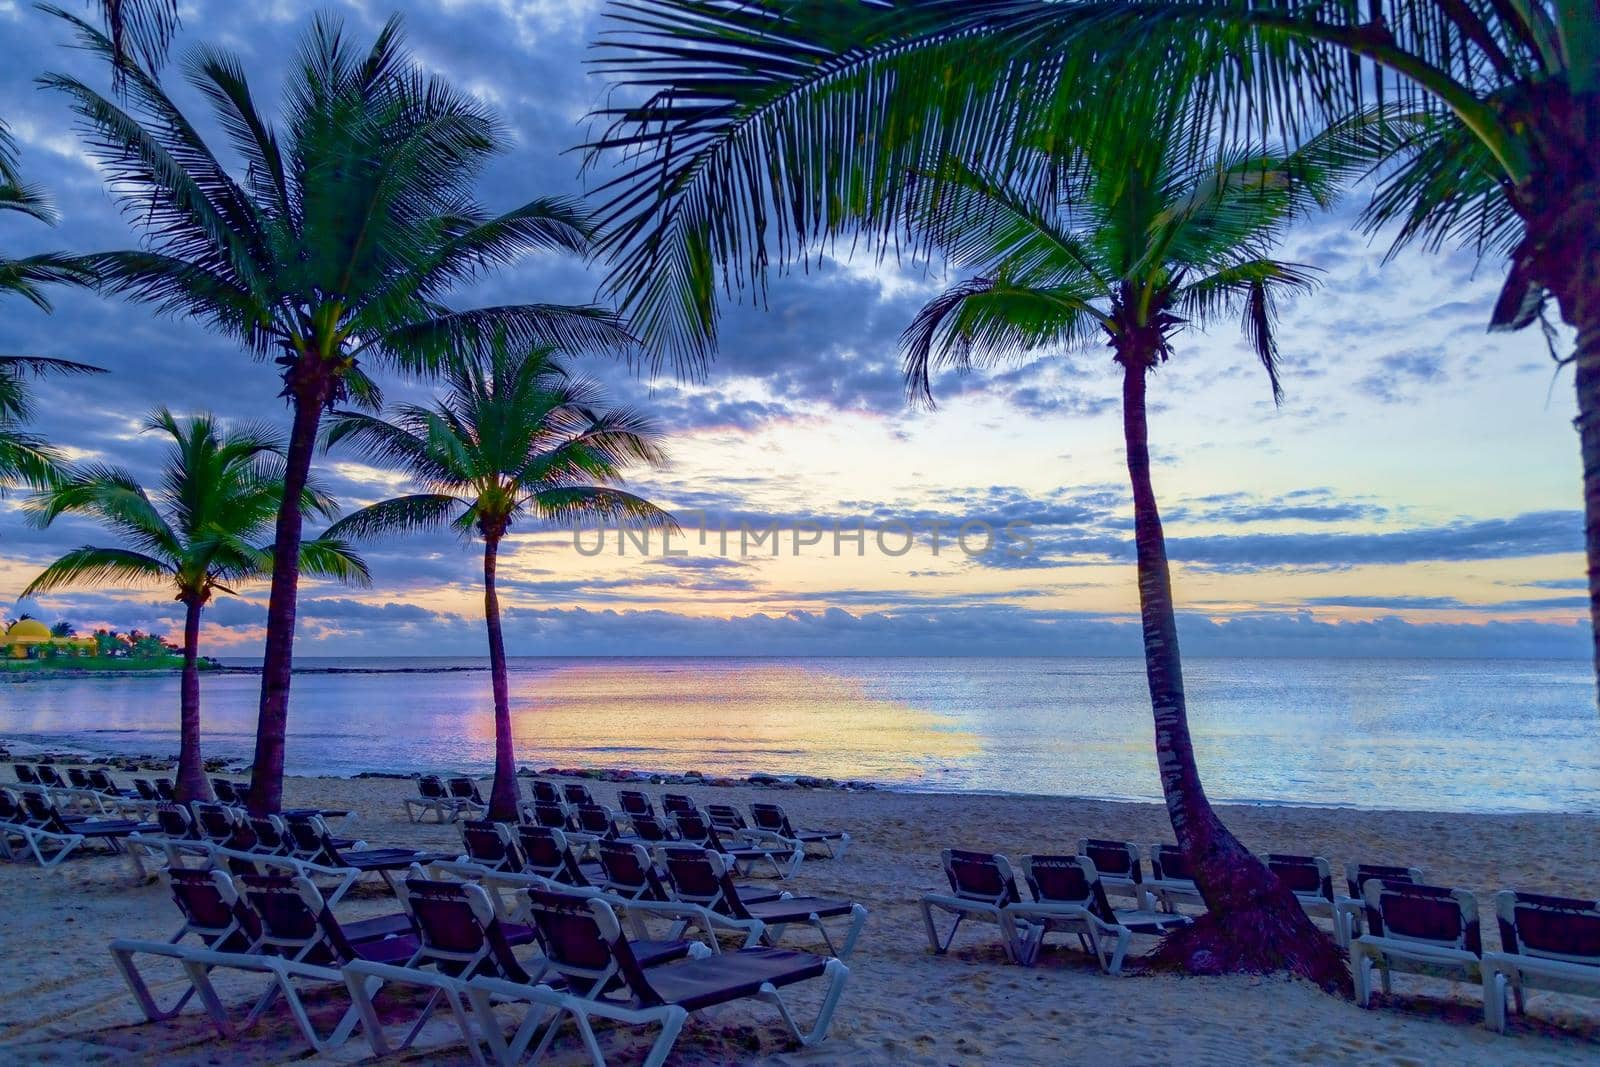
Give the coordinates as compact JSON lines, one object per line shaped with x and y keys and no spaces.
{"x":1481,"y":116}
{"x":1133,"y":252}
{"x":332,"y":248}
{"x":516,"y":438}
{"x":200,"y":533}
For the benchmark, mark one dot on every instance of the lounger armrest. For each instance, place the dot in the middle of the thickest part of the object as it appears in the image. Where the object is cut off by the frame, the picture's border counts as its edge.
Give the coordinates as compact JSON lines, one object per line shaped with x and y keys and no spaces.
{"x":693,"y":914}
{"x":1516,"y":967}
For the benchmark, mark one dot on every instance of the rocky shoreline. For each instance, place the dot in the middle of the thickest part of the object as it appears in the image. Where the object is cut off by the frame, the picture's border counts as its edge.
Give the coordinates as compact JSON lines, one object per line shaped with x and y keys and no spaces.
{"x":618,"y":775}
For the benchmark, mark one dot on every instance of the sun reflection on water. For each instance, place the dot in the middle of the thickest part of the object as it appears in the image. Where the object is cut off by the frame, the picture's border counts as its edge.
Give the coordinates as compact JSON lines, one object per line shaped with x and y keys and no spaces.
{"x":735,"y":719}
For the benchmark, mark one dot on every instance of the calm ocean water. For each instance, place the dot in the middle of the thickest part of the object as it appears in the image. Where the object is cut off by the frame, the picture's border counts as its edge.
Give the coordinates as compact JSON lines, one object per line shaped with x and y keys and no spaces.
{"x":1446,"y":735}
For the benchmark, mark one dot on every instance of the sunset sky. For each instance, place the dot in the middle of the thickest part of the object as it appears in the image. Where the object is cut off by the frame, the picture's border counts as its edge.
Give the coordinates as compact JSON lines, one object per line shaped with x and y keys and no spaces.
{"x":1416,"y":494}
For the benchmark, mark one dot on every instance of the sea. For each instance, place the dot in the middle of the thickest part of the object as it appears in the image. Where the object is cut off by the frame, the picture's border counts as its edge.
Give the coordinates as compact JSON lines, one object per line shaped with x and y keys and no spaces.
{"x":1433,"y":735}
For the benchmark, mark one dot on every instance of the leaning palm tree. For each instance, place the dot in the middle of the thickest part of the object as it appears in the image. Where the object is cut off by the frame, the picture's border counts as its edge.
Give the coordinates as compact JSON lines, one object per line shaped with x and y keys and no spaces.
{"x":516,"y":438}
{"x":772,"y":125}
{"x":1093,"y":245}
{"x":199,"y":534}
{"x":332,"y":249}
{"x":26,"y":458}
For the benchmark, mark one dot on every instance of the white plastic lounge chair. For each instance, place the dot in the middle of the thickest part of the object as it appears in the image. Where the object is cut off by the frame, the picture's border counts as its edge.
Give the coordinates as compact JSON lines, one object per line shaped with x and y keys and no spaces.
{"x":1310,"y":879}
{"x":771,"y":818}
{"x":52,"y":836}
{"x":1419,"y":929}
{"x":1350,"y":908}
{"x":431,"y":796}
{"x":547,"y":853}
{"x":1171,"y":880}
{"x":1550,"y":943}
{"x":606,"y":979}
{"x":695,"y":828}
{"x":982,"y":887}
{"x":1121,"y":872}
{"x":212,"y":913}
{"x":491,"y":845}
{"x":703,"y":877}
{"x":1069,"y":897}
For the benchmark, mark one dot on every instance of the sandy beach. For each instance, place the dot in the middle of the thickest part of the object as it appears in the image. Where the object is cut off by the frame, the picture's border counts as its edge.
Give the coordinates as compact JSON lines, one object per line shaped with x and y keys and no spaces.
{"x":62,"y":1002}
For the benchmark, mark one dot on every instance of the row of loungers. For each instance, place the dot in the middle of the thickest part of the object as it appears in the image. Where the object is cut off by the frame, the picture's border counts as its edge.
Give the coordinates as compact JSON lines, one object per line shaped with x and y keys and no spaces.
{"x":33,"y":823}
{"x":651,"y":873}
{"x":94,"y":788}
{"x":574,"y":809}
{"x":1549,"y":943}
{"x":454,"y":941}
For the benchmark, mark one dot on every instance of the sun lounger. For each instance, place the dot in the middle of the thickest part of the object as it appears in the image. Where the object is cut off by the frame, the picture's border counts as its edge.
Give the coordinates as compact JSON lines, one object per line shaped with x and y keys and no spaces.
{"x":146,"y":790}
{"x":1550,"y":943}
{"x":468,"y":801}
{"x":576,"y":794}
{"x":701,"y":876}
{"x":1419,"y":929}
{"x":551,"y":815}
{"x":315,"y":845}
{"x":547,"y":854}
{"x":490,"y":845}
{"x":650,"y":829}
{"x":49,"y":776}
{"x":166,"y":792}
{"x":695,"y":828}
{"x":982,"y":887}
{"x":462,"y":920}
{"x":52,"y":837}
{"x":673,"y":803}
{"x":594,"y":822}
{"x":1171,"y":878}
{"x":544,"y":791}
{"x":1070,"y":897}
{"x":25,"y":773}
{"x":1310,"y":879}
{"x":212,"y":912}
{"x":633,"y":802}
{"x":771,"y":818}
{"x":1351,"y":908}
{"x":302,"y":940}
{"x":116,"y":798}
{"x":608,"y":980}
{"x":460,"y":934}
{"x":1117,"y":863}
{"x":431,"y":796}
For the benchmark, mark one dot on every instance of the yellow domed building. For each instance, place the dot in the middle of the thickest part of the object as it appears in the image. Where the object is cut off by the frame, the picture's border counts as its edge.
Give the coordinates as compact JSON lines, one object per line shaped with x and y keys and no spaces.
{"x":27,"y":637}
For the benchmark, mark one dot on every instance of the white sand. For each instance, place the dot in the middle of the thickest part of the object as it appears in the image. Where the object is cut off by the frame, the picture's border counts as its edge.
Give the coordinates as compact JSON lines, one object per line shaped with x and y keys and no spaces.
{"x":61,"y":1001}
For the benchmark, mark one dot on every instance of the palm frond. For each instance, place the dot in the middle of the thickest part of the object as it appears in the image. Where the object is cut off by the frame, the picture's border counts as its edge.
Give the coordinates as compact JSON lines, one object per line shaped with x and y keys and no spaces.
{"x":89,"y":567}
{"x":406,"y":514}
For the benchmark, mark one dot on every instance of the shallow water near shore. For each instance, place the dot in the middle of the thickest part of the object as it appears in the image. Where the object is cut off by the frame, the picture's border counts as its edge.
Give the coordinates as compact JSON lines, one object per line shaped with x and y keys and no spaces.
{"x":1447,"y":735}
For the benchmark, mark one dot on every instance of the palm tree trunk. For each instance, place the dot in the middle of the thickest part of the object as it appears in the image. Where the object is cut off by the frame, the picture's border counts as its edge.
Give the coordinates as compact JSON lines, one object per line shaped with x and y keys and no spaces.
{"x":1253,"y":923}
{"x":191,"y":784}
{"x":1580,"y":306}
{"x":503,"y":797}
{"x":266,"y":777}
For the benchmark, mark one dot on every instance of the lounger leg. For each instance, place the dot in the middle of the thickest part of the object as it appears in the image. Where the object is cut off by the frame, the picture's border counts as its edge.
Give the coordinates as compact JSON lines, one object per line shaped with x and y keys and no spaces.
{"x":858,"y":920}
{"x":1495,"y":995}
{"x":933,"y":934}
{"x":1119,"y":951}
{"x":836,"y":973}
{"x":1363,"y":975}
{"x":122,"y":956}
